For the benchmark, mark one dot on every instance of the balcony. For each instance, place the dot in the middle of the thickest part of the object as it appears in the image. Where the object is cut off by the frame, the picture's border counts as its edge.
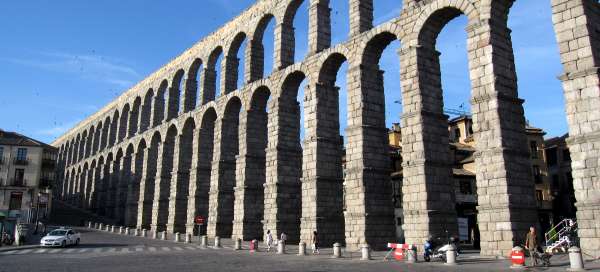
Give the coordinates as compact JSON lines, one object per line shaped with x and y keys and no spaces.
{"x":20,"y":161}
{"x":17,"y":182}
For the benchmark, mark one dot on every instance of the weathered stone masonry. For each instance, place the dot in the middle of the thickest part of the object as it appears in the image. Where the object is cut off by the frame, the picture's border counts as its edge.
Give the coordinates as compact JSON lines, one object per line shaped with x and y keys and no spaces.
{"x":170,"y":149}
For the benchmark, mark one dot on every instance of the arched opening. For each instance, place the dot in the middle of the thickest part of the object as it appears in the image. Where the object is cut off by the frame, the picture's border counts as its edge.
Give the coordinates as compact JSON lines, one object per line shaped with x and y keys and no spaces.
{"x":234,"y":71}
{"x":146,"y":115}
{"x":89,"y":187}
{"x":149,"y":181}
{"x":89,"y":141}
{"x":158,"y":115}
{"x":104,"y":186}
{"x":294,"y":33}
{"x":81,"y":188}
{"x":134,"y":117}
{"x":97,"y":138}
{"x":261,"y":49}
{"x":164,"y":184}
{"x":105,"y":132}
{"x":191,"y":86}
{"x":386,"y":10}
{"x":135,"y":187}
{"x":123,"y":124}
{"x":114,"y":186}
{"x":96,"y":185}
{"x":186,"y":142}
{"x":340,"y":20}
{"x":113,"y":129}
{"x":199,"y":195}
{"x":123,"y":186}
{"x":221,"y":203}
{"x":173,"y":104}
{"x":81,"y":145}
{"x":251,"y":172}
{"x":212,"y":76}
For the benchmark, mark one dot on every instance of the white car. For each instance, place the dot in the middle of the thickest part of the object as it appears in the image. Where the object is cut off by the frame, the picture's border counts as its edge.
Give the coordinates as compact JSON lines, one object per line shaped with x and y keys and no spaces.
{"x":60,"y":237}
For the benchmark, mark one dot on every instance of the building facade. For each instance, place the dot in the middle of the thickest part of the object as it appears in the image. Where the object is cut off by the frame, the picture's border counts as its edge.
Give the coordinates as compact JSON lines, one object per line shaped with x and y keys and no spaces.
{"x":560,"y":174}
{"x":27,"y":177}
{"x":170,"y":149}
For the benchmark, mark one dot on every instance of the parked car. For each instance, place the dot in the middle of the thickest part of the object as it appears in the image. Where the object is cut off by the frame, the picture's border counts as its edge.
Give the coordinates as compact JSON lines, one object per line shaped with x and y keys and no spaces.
{"x":62,"y":237}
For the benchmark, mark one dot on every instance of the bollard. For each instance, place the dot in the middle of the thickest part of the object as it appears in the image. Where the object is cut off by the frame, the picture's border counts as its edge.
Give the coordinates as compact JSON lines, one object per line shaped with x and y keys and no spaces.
{"x":120,"y":230}
{"x":302,"y":249}
{"x":411,"y":255}
{"x":127,"y":231}
{"x":203,"y":241}
{"x":366,"y":252}
{"x":451,"y":255}
{"x":177,"y":237}
{"x":575,"y":259}
{"x":254,"y":245}
{"x":144,"y":233}
{"x":136,"y":232}
{"x":163,"y":235}
{"x":89,"y":224}
{"x":188,"y":238}
{"x":238,"y":244}
{"x":517,"y":258}
{"x":337,"y":250}
{"x":96,"y":225}
{"x":154,"y":234}
{"x":112,"y":228}
{"x":217,"y":242}
{"x":101,"y":226}
{"x":280,"y":247}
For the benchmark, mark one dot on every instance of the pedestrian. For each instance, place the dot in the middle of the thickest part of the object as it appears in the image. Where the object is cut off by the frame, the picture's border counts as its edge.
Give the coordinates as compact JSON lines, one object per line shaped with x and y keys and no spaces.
{"x":315,"y":243}
{"x":282,"y":238}
{"x":269,"y":240}
{"x":531,"y":245}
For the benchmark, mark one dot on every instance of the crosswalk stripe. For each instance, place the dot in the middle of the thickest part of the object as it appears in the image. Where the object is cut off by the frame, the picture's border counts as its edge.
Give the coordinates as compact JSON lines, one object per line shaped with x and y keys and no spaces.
{"x":190,"y":248}
{"x":97,"y":250}
{"x":24,"y":251}
{"x":152,"y":248}
{"x":138,"y":249}
{"x":165,"y":249}
{"x":56,"y":250}
{"x":69,"y":250}
{"x":82,"y":250}
{"x":8,"y":252}
{"x":178,"y":248}
{"x":41,"y":250}
{"x":125,"y":250}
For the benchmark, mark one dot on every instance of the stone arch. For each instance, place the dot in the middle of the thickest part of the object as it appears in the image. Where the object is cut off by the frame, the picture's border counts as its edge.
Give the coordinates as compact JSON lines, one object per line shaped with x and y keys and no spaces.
{"x":255,"y":52}
{"x":81,"y":187}
{"x":148,"y":182}
{"x":163,"y":187}
{"x":199,"y":194}
{"x":97,"y":138}
{"x":146,"y":115}
{"x":158,"y":112}
{"x":105,"y":131}
{"x":285,"y":45}
{"x":81,"y":148}
{"x":89,"y":141}
{"x":103,"y":191}
{"x":329,"y":68}
{"x":191,"y":86}
{"x":231,"y":65}
{"x":209,"y":89}
{"x":174,"y":95}
{"x":113,"y":129}
{"x":123,"y":123}
{"x":133,"y":191}
{"x":89,"y":187}
{"x":182,"y":179}
{"x":224,"y":169}
{"x":114,"y":186}
{"x":432,"y":21}
{"x":134,"y":117}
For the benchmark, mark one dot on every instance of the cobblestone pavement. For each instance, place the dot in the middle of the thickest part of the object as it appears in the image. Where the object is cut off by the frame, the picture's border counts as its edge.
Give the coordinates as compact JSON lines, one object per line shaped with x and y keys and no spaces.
{"x":102,"y":251}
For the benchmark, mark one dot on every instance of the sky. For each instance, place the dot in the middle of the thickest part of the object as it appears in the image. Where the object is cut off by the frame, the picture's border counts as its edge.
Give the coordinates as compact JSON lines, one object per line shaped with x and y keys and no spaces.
{"x":61,"y":61}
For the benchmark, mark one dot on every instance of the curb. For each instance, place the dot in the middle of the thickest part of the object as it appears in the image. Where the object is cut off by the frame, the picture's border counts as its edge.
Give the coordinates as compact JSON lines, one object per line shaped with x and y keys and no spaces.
{"x":4,"y":249}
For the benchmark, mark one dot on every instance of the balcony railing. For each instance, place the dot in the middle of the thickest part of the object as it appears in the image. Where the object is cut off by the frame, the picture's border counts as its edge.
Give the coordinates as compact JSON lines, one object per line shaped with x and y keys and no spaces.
{"x":19,"y":161}
{"x":18,"y":182}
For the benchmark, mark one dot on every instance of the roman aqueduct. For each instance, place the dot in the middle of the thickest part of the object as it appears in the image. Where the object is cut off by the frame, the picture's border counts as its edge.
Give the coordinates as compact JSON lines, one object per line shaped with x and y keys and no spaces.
{"x":169,"y":149}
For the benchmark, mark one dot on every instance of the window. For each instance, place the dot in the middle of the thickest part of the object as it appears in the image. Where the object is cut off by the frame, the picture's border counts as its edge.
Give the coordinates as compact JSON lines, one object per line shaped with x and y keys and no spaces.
{"x":457,"y":134}
{"x":566,"y":155}
{"x":15,"y":201}
{"x":537,"y":175}
{"x":551,"y":156}
{"x":19,"y":177}
{"x":539,"y":195}
{"x":398,"y":221}
{"x":22,"y":154}
{"x":534,"y":149}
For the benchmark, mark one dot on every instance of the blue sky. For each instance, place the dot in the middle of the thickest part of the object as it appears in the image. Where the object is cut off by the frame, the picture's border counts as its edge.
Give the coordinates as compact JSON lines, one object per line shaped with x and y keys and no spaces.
{"x":61,"y":61}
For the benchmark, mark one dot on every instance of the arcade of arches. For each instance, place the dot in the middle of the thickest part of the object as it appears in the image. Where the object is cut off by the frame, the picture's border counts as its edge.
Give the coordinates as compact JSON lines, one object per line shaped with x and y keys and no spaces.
{"x":174,"y":147}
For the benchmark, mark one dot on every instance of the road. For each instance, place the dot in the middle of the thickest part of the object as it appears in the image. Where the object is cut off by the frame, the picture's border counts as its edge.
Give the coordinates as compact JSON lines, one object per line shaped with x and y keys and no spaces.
{"x":102,"y":251}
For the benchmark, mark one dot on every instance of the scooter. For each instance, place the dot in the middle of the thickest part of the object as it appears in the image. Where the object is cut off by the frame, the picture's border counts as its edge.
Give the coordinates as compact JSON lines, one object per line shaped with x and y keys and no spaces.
{"x":433,"y":252}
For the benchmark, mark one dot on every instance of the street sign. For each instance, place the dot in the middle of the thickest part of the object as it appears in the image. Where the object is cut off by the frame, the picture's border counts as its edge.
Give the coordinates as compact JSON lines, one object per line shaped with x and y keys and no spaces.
{"x":199,"y":220}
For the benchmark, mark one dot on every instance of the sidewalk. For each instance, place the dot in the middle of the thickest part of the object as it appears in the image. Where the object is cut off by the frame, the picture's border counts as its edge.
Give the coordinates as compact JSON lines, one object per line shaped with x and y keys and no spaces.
{"x":32,"y":241}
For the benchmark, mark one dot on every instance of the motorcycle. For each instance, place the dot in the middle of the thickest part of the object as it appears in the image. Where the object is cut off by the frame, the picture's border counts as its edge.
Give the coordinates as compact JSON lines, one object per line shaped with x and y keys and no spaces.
{"x":6,"y":239}
{"x":434,"y":251}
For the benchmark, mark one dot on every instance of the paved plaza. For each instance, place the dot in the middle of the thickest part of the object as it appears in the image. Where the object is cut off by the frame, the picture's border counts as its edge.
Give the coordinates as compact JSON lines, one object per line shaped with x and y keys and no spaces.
{"x":102,"y":251}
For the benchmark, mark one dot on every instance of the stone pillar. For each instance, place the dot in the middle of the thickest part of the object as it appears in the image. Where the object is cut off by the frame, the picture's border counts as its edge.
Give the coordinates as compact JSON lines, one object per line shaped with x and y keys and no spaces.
{"x":250,"y":176}
{"x":112,"y":188}
{"x":189,"y":99}
{"x":200,"y":173}
{"x":162,"y":185}
{"x":173,"y":103}
{"x":506,"y":193}
{"x":220,"y":212}
{"x":124,"y":178}
{"x":158,"y":108}
{"x":102,"y":187}
{"x":322,"y":180}
{"x":229,"y":73}
{"x":319,"y":26}
{"x":361,"y":16}
{"x":283,"y":169}
{"x":147,"y":182}
{"x":576,"y":24}
{"x":209,"y":78}
{"x":255,"y":54}
{"x":180,"y":184}
{"x":427,"y":187}
{"x":369,"y":215}
{"x":284,"y":45}
{"x":93,"y":199}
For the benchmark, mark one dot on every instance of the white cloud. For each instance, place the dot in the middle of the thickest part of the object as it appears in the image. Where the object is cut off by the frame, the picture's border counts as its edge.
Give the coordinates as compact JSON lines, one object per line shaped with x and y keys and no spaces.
{"x":58,"y":129}
{"x":90,"y":67}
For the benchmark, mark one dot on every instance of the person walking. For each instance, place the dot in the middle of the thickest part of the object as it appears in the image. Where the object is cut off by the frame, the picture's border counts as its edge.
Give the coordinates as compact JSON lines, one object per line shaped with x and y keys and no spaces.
{"x":531,"y":245}
{"x":269,"y":240}
{"x":282,"y":238}
{"x":315,"y":243}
